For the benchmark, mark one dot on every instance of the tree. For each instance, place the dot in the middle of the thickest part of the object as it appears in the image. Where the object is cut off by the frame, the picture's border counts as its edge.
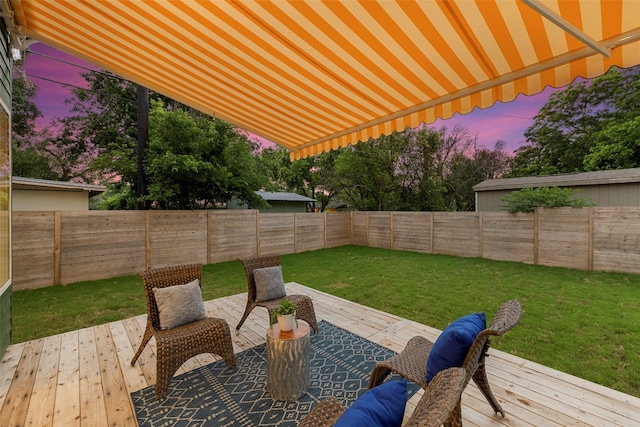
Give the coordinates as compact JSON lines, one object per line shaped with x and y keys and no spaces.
{"x":284,"y":175}
{"x":312,"y":176}
{"x":24,"y":111}
{"x":465,"y":171}
{"x":30,"y":163}
{"x":329,"y":187}
{"x":578,"y":128}
{"x":198,"y":162}
{"x":367,"y":172}
{"x":616,"y":146}
{"x":106,"y":115}
{"x":27,"y":161}
{"x":421,"y":168}
{"x":194,"y":160}
{"x":60,"y":151}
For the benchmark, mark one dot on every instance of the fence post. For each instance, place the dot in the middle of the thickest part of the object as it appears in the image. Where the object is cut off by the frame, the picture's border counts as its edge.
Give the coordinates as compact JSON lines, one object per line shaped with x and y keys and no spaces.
{"x":257,"y":231}
{"x":590,"y":245}
{"x":536,"y":230}
{"x":391,"y":237}
{"x":368,"y":230}
{"x":431,"y":220}
{"x":325,"y":229}
{"x":57,"y":272}
{"x":480,"y":235}
{"x":147,"y":239}
{"x":351,"y":227}
{"x":209,"y":236}
{"x":295,"y":233}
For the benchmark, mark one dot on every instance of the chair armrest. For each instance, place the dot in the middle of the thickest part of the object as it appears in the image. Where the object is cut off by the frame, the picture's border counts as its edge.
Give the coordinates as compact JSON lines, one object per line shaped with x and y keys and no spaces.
{"x":325,"y":413}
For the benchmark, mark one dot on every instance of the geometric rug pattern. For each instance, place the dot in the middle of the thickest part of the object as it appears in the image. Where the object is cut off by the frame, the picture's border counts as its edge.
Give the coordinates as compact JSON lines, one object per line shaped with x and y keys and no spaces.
{"x":340,"y":364}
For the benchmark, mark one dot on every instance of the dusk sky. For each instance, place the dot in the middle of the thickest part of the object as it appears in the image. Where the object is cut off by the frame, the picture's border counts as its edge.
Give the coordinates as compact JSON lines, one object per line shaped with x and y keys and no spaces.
{"x":503,"y":121}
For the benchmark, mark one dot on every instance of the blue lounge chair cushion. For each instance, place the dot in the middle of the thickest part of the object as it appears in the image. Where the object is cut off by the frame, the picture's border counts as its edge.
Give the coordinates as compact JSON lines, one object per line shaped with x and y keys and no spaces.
{"x":382,"y":406}
{"x":452,"y":346}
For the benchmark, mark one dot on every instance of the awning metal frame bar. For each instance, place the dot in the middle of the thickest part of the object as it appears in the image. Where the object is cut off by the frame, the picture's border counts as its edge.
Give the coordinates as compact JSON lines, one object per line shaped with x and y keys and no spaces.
{"x":567,"y":26}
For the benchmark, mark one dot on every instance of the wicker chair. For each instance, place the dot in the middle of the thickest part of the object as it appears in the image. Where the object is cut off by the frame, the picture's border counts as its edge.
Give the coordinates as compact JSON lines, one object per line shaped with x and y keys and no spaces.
{"x":176,"y":345}
{"x":304,"y":305}
{"x":437,"y":406}
{"x":411,"y":363}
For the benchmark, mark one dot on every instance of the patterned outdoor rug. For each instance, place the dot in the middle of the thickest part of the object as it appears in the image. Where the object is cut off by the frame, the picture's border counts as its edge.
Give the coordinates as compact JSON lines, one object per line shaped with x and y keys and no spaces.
{"x":340,"y":364}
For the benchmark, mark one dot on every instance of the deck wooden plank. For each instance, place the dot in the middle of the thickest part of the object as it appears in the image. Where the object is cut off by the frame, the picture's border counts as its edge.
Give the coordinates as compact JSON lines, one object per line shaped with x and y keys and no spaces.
{"x":92,"y":405}
{"x":18,"y":398}
{"x":133,"y":375}
{"x":574,"y":401}
{"x":93,"y":375}
{"x":241,"y":340}
{"x":67,"y":408}
{"x":147,"y":358}
{"x":42,"y":404}
{"x":116,"y":396}
{"x":8,"y":368}
{"x":134,"y":334}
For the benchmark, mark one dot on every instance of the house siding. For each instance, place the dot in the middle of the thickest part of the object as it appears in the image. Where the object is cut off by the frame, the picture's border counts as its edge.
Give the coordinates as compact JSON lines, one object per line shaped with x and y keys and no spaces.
{"x":602,"y":195}
{"x":608,"y":188}
{"x":35,"y":200}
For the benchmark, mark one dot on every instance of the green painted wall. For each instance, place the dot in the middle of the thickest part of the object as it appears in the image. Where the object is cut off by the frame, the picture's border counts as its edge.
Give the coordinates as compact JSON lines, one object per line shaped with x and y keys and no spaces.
{"x":6,"y":321}
{"x":285,"y":207}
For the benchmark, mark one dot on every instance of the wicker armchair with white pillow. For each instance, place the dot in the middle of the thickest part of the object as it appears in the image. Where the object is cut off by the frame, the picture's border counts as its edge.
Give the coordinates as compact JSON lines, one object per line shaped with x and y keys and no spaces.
{"x":176,"y":317}
{"x":265,"y":288}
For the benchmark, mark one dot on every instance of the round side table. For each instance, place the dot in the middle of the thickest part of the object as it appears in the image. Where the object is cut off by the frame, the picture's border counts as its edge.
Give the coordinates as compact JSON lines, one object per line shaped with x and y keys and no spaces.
{"x":288,"y":362}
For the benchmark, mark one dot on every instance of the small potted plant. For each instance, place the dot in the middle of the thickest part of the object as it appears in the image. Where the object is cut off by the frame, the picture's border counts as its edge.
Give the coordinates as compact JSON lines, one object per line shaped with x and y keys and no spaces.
{"x":286,"y":315}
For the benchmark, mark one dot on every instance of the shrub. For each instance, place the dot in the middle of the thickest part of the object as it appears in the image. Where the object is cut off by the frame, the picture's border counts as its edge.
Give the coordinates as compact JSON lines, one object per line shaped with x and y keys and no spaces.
{"x":528,"y":199}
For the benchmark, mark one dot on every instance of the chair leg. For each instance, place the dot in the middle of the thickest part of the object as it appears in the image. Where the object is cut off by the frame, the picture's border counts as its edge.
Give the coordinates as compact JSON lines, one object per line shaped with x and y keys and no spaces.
{"x":225,"y":348}
{"x":480,"y":378}
{"x":164,"y":370}
{"x":247,"y":310}
{"x":306,"y":312}
{"x":148,"y":333}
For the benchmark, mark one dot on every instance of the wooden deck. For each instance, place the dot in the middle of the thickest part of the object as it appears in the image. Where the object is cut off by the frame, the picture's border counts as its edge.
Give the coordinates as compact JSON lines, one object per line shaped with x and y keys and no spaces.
{"x":83,"y":378}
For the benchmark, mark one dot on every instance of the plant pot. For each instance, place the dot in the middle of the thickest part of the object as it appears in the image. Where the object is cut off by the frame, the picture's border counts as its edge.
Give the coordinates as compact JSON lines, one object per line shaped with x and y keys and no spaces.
{"x":286,"y":322}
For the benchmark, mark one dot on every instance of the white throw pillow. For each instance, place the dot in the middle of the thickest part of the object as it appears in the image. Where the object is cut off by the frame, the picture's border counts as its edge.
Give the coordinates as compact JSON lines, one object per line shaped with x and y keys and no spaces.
{"x":179,"y":304}
{"x":269,"y":283}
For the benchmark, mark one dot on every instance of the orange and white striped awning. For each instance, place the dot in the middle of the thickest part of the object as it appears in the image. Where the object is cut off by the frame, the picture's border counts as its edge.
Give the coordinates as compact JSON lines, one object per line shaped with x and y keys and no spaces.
{"x":317,"y":75}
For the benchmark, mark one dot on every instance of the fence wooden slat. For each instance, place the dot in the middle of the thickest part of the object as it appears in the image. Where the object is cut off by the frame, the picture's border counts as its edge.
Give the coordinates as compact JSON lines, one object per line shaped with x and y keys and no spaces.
{"x":64,"y":247}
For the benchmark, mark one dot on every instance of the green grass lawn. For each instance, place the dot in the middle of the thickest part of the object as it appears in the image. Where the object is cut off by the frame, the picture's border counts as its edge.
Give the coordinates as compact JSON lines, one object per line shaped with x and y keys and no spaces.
{"x":583,"y":323}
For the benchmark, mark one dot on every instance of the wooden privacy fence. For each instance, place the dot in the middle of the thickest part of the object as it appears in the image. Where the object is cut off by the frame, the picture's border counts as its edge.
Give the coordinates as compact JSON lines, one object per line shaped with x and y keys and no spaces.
{"x":597,"y":238}
{"x":64,"y":247}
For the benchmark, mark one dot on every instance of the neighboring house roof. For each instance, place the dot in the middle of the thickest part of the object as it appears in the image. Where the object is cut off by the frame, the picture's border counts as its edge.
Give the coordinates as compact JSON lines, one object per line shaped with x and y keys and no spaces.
{"x":618,"y":176}
{"x":271,"y":196}
{"x":337,"y":204}
{"x":20,"y":183}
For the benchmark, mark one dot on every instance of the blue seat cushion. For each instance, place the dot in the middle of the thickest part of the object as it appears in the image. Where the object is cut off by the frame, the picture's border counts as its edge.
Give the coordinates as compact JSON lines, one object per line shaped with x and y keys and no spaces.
{"x":452,"y":346}
{"x":382,"y":406}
